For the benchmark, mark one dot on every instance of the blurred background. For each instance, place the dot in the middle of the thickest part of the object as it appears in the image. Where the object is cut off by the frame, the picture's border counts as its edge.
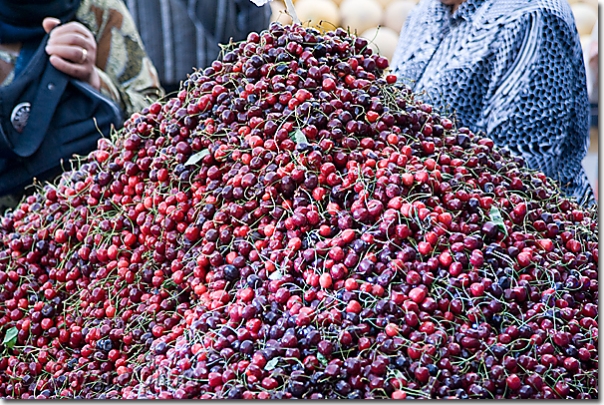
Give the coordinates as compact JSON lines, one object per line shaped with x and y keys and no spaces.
{"x":380,"y":22}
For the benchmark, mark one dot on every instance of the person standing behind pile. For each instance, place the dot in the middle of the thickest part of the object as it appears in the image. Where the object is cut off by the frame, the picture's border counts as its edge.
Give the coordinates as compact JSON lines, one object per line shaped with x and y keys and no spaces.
{"x":181,"y":35}
{"x":510,"y":68}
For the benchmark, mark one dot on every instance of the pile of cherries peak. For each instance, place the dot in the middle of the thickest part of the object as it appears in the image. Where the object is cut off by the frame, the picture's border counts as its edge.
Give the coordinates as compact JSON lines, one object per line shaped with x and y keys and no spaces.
{"x":296,"y":224}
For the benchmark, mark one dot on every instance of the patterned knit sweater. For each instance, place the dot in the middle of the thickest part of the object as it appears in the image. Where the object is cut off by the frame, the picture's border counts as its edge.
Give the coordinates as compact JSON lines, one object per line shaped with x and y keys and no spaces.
{"x":510,"y":68}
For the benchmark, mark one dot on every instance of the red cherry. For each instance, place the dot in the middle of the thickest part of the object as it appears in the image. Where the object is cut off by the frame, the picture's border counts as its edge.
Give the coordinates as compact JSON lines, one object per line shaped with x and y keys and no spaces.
{"x":477,"y":289}
{"x":513,"y":382}
{"x":417,"y":294}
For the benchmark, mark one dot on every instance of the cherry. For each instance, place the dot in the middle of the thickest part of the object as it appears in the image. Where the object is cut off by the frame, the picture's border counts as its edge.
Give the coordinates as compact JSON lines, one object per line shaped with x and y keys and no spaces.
{"x":513,"y":382}
{"x":417,"y":294}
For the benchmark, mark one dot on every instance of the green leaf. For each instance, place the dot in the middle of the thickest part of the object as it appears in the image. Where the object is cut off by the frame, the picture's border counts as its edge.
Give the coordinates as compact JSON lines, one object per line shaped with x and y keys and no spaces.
{"x":197,"y":157}
{"x":300,"y":138}
{"x":322,"y":359}
{"x":498,"y":219}
{"x":271,"y":364}
{"x":11,"y":337}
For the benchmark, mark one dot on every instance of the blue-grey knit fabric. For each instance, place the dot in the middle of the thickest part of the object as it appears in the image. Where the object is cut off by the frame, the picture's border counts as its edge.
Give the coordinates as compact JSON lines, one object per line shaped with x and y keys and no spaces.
{"x":510,"y":68}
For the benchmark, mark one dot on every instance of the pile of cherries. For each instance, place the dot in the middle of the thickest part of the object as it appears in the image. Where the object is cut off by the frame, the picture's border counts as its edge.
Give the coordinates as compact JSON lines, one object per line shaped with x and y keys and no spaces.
{"x":296,"y":224}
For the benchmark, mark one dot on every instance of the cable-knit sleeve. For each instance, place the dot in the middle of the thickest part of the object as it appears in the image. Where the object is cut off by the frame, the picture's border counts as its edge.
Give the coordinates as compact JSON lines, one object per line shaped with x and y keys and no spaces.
{"x":538,"y":105}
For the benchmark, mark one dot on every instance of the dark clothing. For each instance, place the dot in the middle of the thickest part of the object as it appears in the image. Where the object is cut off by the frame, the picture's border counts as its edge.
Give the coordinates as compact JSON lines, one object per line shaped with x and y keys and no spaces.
{"x":30,"y":13}
{"x":180,"y":35}
{"x":21,"y":22}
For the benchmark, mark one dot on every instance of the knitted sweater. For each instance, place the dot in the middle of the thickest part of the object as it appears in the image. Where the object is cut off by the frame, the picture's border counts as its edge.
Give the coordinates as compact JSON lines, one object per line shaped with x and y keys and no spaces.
{"x":510,"y":68}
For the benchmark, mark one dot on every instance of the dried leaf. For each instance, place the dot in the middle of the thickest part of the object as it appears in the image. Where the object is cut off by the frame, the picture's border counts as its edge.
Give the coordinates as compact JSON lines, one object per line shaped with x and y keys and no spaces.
{"x":300,"y":138}
{"x":271,"y":364}
{"x":194,"y":159}
{"x":275,"y":275}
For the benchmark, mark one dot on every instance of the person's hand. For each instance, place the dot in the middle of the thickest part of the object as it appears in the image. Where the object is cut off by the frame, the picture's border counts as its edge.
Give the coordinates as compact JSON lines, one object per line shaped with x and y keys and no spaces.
{"x":72,"y":50}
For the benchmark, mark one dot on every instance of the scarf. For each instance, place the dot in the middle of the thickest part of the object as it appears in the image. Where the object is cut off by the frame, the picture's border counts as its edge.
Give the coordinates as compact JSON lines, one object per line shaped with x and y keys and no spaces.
{"x":21,"y":20}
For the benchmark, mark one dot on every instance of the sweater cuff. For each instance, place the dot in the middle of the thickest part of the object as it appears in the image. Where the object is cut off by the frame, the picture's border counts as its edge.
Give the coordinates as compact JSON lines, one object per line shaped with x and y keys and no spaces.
{"x":109,"y":89}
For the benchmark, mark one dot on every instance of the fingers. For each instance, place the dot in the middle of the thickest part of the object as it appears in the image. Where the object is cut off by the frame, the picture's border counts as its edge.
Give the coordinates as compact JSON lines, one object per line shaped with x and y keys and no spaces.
{"x":72,"y":49}
{"x":49,"y":23}
{"x":72,"y":35}
{"x":74,"y":54}
{"x":70,"y":38}
{"x":72,"y":28}
{"x":78,"y":71}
